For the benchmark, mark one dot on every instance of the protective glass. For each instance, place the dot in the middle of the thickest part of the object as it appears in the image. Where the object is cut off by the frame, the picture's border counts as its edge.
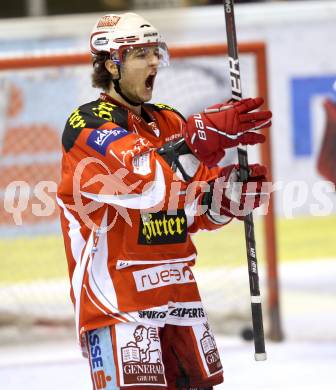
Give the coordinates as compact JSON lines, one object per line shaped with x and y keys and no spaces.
{"x":142,"y":51}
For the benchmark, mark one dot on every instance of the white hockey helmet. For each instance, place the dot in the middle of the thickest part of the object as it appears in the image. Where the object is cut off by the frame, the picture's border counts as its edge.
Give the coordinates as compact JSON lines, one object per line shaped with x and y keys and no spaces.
{"x":115,"y":34}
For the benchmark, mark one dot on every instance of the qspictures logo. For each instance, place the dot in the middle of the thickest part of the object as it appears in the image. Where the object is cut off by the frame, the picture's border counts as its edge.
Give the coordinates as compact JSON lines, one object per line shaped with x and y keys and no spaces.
{"x":141,"y":358}
{"x":161,"y":228}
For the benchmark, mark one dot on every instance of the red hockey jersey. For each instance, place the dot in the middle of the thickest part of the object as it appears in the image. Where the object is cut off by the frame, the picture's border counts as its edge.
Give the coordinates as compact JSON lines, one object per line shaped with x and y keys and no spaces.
{"x":127,"y":217}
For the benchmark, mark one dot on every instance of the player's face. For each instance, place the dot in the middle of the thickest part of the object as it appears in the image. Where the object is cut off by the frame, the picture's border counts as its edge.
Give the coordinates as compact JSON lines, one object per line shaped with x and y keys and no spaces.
{"x":138,"y":72}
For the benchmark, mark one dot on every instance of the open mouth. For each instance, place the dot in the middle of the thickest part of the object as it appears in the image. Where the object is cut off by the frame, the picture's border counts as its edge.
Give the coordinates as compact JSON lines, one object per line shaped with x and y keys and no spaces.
{"x":150,"y":81}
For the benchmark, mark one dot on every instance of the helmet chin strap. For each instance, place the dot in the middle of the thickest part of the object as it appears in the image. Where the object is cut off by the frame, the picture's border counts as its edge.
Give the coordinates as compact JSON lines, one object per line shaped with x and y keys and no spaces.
{"x":119,"y":91}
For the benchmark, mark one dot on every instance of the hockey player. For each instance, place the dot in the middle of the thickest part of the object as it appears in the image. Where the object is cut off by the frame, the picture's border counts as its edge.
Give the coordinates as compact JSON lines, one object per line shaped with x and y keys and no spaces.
{"x":137,"y":180}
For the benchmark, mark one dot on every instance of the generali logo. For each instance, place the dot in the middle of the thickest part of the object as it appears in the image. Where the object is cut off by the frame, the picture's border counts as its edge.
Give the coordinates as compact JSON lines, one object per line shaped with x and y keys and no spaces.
{"x":210,"y":351}
{"x":142,"y":358}
{"x":163,"y":275}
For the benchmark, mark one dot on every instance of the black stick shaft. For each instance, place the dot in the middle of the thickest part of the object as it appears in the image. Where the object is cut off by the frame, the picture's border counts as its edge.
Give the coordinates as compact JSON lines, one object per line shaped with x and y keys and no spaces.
{"x":257,"y":321}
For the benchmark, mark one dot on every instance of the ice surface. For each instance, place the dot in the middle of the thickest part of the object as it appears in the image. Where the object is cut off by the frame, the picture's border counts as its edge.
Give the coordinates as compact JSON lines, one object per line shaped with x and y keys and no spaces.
{"x":305,"y":361}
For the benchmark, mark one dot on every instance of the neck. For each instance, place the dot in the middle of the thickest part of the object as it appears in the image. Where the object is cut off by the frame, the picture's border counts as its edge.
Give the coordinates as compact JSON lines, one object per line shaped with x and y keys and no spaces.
{"x":115,"y":96}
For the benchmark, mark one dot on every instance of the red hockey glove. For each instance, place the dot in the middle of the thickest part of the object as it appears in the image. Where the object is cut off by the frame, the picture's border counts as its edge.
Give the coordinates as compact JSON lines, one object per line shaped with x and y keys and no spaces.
{"x":228,"y":196}
{"x":224,"y":126}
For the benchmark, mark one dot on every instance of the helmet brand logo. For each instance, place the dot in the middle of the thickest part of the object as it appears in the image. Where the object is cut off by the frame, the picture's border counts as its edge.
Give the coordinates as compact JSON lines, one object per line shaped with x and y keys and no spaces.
{"x":101,"y":41}
{"x":150,"y":34}
{"x":108,"y":21}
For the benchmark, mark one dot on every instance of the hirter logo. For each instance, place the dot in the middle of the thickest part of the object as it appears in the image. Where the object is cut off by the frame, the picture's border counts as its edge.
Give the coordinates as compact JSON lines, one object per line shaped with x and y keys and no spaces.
{"x":160,"y":228}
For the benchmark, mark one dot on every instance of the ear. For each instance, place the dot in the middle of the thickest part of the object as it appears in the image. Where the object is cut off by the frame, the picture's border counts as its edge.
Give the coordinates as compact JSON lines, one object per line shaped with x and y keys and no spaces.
{"x":112,"y":68}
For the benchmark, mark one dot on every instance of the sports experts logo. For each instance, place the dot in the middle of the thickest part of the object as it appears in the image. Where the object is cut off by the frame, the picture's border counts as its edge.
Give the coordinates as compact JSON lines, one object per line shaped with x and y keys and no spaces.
{"x":152,"y":314}
{"x":163,"y":275}
{"x":187,"y":312}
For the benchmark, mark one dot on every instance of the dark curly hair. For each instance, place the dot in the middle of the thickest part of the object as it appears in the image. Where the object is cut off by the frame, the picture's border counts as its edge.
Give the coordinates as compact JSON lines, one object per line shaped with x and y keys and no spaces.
{"x":101,"y":77}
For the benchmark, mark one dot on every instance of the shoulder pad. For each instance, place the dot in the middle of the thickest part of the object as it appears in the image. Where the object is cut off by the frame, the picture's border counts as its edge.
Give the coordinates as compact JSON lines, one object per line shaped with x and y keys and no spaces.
{"x":166,"y":107}
{"x":92,"y":115}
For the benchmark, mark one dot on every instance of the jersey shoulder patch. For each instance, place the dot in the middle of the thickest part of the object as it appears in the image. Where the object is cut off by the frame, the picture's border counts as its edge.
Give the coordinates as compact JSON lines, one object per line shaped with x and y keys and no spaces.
{"x":92,"y":115}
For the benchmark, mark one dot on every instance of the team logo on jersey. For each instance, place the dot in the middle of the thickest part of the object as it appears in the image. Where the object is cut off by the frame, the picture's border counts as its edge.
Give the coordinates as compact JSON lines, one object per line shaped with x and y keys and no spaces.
{"x":142,"y":358}
{"x":99,"y":140}
{"x":108,"y":21}
{"x":160,"y":228}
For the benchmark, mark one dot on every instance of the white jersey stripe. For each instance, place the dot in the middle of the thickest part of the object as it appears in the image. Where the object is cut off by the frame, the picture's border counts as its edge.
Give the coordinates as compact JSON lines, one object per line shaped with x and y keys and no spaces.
{"x":128,"y":263}
{"x":101,"y":309}
{"x":150,"y":198}
{"x":77,"y":279}
{"x":76,"y":239}
{"x":100,"y":281}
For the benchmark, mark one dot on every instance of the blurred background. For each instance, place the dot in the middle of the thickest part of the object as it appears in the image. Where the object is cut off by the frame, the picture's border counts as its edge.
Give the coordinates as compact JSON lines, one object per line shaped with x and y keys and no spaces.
{"x":287,"y":54}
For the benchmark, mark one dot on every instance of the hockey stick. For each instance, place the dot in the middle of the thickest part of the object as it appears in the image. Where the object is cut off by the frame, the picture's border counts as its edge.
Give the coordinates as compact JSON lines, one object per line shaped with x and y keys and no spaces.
{"x":258,"y":330}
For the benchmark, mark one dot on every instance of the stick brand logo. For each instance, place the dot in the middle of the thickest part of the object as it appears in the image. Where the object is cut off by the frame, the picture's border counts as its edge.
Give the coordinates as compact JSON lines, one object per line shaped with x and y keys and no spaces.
{"x":101,"y":139}
{"x":200,"y":127}
{"x":228,"y":6}
{"x":164,"y":275}
{"x":210,"y":351}
{"x":235,"y":78}
{"x":142,"y":358}
{"x":99,"y":377}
